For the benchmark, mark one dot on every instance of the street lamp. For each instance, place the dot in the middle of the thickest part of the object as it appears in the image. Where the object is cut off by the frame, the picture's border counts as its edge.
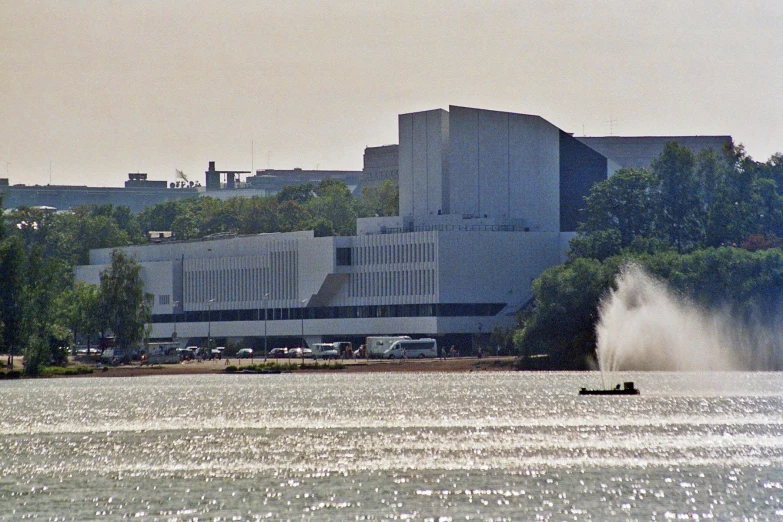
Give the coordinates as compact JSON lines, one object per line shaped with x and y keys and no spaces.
{"x":174,"y":311}
{"x":266,"y":297}
{"x":304,"y":343}
{"x":209,"y":325}
{"x":479,"y":340}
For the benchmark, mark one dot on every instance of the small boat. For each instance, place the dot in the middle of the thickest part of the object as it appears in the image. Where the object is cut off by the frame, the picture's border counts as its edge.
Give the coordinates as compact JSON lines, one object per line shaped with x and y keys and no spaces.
{"x":627,"y":389}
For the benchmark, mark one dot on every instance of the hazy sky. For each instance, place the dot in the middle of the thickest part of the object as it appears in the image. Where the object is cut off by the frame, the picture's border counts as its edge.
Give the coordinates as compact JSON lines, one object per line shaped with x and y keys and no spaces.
{"x":101,"y":88}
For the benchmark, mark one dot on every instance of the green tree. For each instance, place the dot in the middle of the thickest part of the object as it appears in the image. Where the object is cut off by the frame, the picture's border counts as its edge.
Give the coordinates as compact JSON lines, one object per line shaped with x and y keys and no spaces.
{"x":261,"y":216}
{"x":334,"y":202}
{"x":79,"y":310}
{"x":562,"y":321}
{"x":626,"y":202}
{"x":37,"y":354}
{"x":599,"y":245}
{"x":291,"y":216}
{"x":126,"y":306}
{"x":160,"y":217}
{"x":299,"y":193}
{"x":383,"y":200}
{"x":12,"y":296}
{"x":679,"y":208}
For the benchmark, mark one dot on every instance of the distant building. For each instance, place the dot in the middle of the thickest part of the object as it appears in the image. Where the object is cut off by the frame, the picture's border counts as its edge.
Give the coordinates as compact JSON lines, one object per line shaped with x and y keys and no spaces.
{"x":380,"y":164}
{"x":640,"y":152}
{"x":140,"y":192}
{"x":137,"y":194}
{"x":140,"y":180}
{"x":272,"y":181}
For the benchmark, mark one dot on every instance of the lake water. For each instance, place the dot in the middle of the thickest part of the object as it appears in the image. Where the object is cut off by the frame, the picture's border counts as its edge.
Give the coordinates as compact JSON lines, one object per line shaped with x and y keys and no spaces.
{"x":435,"y":447}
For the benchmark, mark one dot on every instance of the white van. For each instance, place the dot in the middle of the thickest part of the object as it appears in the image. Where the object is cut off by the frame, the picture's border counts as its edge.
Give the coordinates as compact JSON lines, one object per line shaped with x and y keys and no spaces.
{"x":331,"y":350}
{"x":412,"y":349}
{"x":377,"y":346}
{"x":325,"y":351}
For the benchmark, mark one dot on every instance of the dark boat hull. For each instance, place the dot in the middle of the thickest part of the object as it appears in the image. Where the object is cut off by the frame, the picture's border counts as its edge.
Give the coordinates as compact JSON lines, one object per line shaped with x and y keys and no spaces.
{"x":627,"y":389}
{"x":585,"y":391}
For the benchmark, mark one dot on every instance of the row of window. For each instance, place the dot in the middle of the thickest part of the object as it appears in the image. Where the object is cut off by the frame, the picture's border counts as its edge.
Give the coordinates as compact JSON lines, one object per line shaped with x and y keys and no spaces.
{"x":238,"y":283}
{"x":397,"y":283}
{"x":388,"y":254}
{"x":335,"y":312}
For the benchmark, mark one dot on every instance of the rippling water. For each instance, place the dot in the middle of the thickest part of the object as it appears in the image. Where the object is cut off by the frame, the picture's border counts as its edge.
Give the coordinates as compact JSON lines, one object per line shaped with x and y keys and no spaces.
{"x":438,"y":447}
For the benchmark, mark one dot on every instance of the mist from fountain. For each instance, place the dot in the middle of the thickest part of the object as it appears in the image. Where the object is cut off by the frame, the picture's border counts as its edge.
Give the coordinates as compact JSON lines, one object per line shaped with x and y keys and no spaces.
{"x":644,"y":326}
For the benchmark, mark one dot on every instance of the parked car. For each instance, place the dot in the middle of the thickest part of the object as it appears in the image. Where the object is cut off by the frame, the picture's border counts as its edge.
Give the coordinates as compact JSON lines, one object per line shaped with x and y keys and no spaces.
{"x":245,"y":353}
{"x":278,"y":352}
{"x":187,"y":354}
{"x":299,"y":353}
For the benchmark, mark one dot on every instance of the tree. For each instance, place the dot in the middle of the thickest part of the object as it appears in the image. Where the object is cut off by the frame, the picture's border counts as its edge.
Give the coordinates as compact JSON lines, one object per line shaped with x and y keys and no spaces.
{"x":160,"y":216}
{"x":123,"y":301}
{"x":79,"y":310}
{"x":36,"y":355}
{"x":383,"y":200}
{"x":299,"y":193}
{"x":679,"y":206}
{"x":562,"y":322}
{"x":12,"y":296}
{"x":625,"y":202}
{"x":334,"y":202}
{"x":291,"y":216}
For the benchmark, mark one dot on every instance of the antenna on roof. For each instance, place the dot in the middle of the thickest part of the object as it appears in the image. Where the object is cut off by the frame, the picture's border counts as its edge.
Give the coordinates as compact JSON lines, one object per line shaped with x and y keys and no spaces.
{"x":612,"y":122}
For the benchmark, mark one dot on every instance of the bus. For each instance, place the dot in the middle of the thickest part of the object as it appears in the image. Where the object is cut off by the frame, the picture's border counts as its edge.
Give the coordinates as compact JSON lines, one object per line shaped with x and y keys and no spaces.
{"x":412,"y":349}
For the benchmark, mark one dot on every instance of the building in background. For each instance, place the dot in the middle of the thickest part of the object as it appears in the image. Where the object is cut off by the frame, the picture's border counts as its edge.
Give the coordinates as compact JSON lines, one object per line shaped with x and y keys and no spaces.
{"x":639,"y":152}
{"x":140,"y":192}
{"x":137,"y":194}
{"x":272,"y":181}
{"x":381,"y":164}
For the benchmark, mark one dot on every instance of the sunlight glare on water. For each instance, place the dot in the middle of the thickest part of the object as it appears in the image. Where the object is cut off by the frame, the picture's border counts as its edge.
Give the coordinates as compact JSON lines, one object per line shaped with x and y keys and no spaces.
{"x":397,"y":446}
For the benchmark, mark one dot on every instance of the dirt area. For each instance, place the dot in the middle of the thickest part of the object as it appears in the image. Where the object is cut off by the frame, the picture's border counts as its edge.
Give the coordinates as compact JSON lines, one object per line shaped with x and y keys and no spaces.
{"x":466,"y":364}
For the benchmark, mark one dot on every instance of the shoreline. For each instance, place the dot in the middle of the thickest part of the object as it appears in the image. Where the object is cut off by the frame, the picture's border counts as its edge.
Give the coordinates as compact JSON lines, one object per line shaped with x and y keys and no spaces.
{"x":217,"y":367}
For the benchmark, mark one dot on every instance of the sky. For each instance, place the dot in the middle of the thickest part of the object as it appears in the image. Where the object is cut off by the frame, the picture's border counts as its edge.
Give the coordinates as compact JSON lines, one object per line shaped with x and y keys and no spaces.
{"x":91,"y":90}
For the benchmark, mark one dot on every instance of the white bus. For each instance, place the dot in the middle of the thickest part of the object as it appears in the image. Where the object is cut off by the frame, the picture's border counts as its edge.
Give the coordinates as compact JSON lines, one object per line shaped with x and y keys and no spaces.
{"x":412,"y":349}
{"x":377,"y":346}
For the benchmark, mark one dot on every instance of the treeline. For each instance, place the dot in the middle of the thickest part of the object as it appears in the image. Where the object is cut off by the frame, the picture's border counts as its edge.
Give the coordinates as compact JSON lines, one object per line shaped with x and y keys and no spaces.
{"x":708,"y":224}
{"x":328,"y":208}
{"x":42,"y":310}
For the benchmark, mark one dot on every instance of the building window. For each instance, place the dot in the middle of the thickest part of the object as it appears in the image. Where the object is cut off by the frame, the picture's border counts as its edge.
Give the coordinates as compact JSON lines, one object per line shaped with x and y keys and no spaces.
{"x":343,"y":257}
{"x":164,"y":299}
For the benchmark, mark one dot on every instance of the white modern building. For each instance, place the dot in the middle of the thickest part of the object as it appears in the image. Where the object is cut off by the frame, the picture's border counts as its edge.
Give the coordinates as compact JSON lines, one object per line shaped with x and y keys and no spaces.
{"x":488,"y":200}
